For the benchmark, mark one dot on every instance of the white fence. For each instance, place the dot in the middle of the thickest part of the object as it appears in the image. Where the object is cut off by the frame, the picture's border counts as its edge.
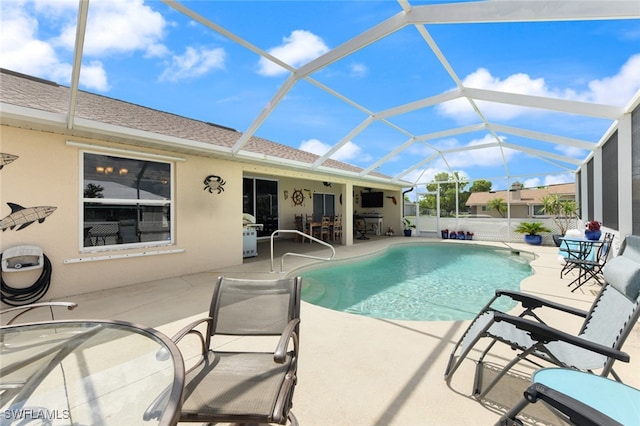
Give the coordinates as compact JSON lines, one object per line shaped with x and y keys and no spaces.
{"x":487,"y":229}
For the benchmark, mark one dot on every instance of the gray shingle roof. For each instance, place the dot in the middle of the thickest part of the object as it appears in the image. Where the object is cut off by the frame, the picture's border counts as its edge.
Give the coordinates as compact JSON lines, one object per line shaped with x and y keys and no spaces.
{"x":34,"y":93}
{"x":527,"y":196}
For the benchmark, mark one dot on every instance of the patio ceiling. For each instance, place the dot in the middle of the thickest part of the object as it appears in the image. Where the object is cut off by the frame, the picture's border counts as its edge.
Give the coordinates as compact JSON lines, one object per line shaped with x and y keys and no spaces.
{"x":398,"y":117}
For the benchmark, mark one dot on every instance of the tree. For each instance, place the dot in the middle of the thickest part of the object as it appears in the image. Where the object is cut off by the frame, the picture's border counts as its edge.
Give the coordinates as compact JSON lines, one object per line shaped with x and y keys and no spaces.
{"x":93,"y":191}
{"x":531,"y":228}
{"x":481,"y":185}
{"x":498,"y":204}
{"x":562,"y":211}
{"x":447,"y":191}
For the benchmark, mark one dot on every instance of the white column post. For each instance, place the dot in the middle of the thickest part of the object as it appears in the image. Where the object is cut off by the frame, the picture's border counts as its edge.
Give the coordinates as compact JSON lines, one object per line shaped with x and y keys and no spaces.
{"x":625,"y":164}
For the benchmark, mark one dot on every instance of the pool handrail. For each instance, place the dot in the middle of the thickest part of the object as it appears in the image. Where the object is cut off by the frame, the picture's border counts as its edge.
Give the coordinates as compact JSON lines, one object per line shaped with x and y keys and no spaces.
{"x":295,"y":231}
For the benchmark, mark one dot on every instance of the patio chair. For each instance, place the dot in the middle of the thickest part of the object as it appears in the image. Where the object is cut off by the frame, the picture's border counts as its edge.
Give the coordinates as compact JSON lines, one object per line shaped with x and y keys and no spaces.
{"x":630,"y":248}
{"x":592,"y":264}
{"x":299,"y":226}
{"x":18,"y":311}
{"x":361,"y":227}
{"x":336,"y":229}
{"x":579,"y":398}
{"x":324,"y":233}
{"x":248,"y":386}
{"x":570,"y":249}
{"x":597,"y":345}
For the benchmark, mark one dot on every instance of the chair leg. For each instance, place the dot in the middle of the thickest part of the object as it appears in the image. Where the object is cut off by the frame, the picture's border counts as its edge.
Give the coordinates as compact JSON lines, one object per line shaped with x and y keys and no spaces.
{"x":476,"y":331}
{"x":509,"y":418}
{"x":480,"y":393}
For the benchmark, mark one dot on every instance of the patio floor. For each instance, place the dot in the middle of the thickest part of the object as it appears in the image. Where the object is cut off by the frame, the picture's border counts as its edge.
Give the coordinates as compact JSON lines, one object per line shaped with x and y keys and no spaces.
{"x":356,"y":370}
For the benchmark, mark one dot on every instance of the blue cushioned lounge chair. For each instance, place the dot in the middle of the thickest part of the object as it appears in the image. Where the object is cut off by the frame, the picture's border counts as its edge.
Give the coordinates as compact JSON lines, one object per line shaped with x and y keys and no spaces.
{"x":580,"y":399}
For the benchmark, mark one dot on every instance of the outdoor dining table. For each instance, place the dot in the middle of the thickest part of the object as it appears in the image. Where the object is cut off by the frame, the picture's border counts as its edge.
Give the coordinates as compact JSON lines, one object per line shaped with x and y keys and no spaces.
{"x":579,"y":249}
{"x":88,"y":372}
{"x":317,"y":224}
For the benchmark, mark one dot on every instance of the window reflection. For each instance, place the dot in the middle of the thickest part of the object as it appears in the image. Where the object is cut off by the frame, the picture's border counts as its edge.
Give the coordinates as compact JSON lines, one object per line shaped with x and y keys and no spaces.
{"x":126,"y":201}
{"x":124,"y":178}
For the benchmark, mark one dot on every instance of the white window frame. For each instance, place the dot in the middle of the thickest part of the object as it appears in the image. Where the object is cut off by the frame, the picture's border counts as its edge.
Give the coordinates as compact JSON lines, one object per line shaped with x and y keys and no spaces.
{"x":170,"y":202}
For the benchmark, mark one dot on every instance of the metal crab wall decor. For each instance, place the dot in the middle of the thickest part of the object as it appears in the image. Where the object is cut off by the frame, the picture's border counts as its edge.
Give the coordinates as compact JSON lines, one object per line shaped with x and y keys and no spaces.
{"x":214,"y":183}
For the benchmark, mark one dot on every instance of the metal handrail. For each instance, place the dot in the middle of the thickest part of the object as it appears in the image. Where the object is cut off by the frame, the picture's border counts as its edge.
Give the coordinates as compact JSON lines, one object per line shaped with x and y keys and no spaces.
{"x":295,"y":231}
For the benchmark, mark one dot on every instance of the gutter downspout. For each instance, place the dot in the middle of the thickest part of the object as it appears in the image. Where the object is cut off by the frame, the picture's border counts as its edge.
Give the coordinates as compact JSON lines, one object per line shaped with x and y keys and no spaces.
{"x":406,"y":192}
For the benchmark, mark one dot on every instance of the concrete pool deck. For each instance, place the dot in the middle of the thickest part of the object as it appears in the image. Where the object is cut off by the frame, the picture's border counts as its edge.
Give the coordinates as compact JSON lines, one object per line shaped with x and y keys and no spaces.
{"x":357,"y":370}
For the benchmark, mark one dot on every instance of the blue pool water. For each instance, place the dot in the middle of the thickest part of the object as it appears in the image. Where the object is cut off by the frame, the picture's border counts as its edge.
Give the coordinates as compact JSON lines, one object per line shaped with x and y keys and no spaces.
{"x":426,"y":282}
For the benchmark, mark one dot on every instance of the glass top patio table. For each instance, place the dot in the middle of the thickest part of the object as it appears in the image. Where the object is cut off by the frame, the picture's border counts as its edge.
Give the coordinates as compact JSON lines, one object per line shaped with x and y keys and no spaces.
{"x":87,"y":373}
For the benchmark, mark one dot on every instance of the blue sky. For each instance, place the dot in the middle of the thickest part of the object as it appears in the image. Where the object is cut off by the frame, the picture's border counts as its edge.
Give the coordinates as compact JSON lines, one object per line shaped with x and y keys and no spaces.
{"x":149,"y":54}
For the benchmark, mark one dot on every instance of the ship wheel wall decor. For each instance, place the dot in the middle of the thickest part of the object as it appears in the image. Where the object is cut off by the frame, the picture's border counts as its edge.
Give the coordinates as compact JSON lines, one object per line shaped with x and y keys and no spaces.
{"x":297,"y":197}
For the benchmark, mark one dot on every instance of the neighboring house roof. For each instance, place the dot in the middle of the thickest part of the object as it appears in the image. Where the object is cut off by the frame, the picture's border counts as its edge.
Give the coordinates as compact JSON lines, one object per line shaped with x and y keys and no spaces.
{"x":185,"y":135}
{"x":527,"y":196}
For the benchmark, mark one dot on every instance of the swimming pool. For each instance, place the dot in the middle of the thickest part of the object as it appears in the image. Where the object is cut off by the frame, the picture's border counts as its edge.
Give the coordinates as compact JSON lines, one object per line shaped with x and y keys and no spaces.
{"x":425,"y":282}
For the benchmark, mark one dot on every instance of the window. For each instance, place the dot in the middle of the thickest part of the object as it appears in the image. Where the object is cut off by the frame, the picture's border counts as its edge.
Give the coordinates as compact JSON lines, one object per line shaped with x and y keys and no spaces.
{"x":538,"y":210}
{"x":323,"y":205}
{"x":126,"y":201}
{"x":260,"y":199}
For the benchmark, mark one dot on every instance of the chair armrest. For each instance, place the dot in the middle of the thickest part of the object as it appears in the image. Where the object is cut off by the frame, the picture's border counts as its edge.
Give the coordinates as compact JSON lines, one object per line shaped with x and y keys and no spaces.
{"x":190,"y":329}
{"x":530,"y":301}
{"x":26,"y":308}
{"x":280,"y":353}
{"x":578,"y":412}
{"x":544,"y":333}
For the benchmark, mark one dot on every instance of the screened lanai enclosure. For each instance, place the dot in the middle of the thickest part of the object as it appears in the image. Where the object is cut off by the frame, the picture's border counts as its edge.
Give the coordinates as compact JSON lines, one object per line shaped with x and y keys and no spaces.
{"x":529,"y":92}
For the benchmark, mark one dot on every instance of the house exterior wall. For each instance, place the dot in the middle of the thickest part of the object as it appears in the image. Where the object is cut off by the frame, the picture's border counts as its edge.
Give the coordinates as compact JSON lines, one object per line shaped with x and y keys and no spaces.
{"x":517,"y":211}
{"x":207,"y":226}
{"x":47,"y":174}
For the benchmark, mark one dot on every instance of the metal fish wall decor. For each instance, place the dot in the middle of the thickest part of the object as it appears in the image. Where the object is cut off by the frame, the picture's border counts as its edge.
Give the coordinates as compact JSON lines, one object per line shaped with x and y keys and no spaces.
{"x":23,"y":217}
{"x":6,"y":159}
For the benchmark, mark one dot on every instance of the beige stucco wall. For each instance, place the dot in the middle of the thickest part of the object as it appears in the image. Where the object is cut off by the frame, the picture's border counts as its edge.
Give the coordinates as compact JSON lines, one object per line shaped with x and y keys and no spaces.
{"x":208,"y":227}
{"x":46,"y":174}
{"x":517,"y":211}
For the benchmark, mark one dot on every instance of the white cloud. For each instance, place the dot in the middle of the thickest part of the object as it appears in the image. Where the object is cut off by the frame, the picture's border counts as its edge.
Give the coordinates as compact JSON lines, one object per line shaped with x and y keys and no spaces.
{"x":532,"y":183}
{"x":557,"y":179}
{"x":347,"y":152}
{"x":617,"y":88}
{"x":297,"y":49}
{"x":422,"y":176}
{"x":114,"y":26}
{"x":548,"y":180}
{"x":612,"y":90}
{"x":483,"y":157}
{"x":94,"y":75}
{"x":194,"y":63}
{"x":358,"y":70}
{"x":571,"y":151}
{"x":482,"y":79}
{"x":117,"y":26}
{"x":21,"y":50}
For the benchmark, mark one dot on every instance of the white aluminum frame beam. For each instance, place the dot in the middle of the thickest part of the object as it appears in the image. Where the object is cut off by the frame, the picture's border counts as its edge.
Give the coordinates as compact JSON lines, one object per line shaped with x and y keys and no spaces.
{"x":523,"y":11}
